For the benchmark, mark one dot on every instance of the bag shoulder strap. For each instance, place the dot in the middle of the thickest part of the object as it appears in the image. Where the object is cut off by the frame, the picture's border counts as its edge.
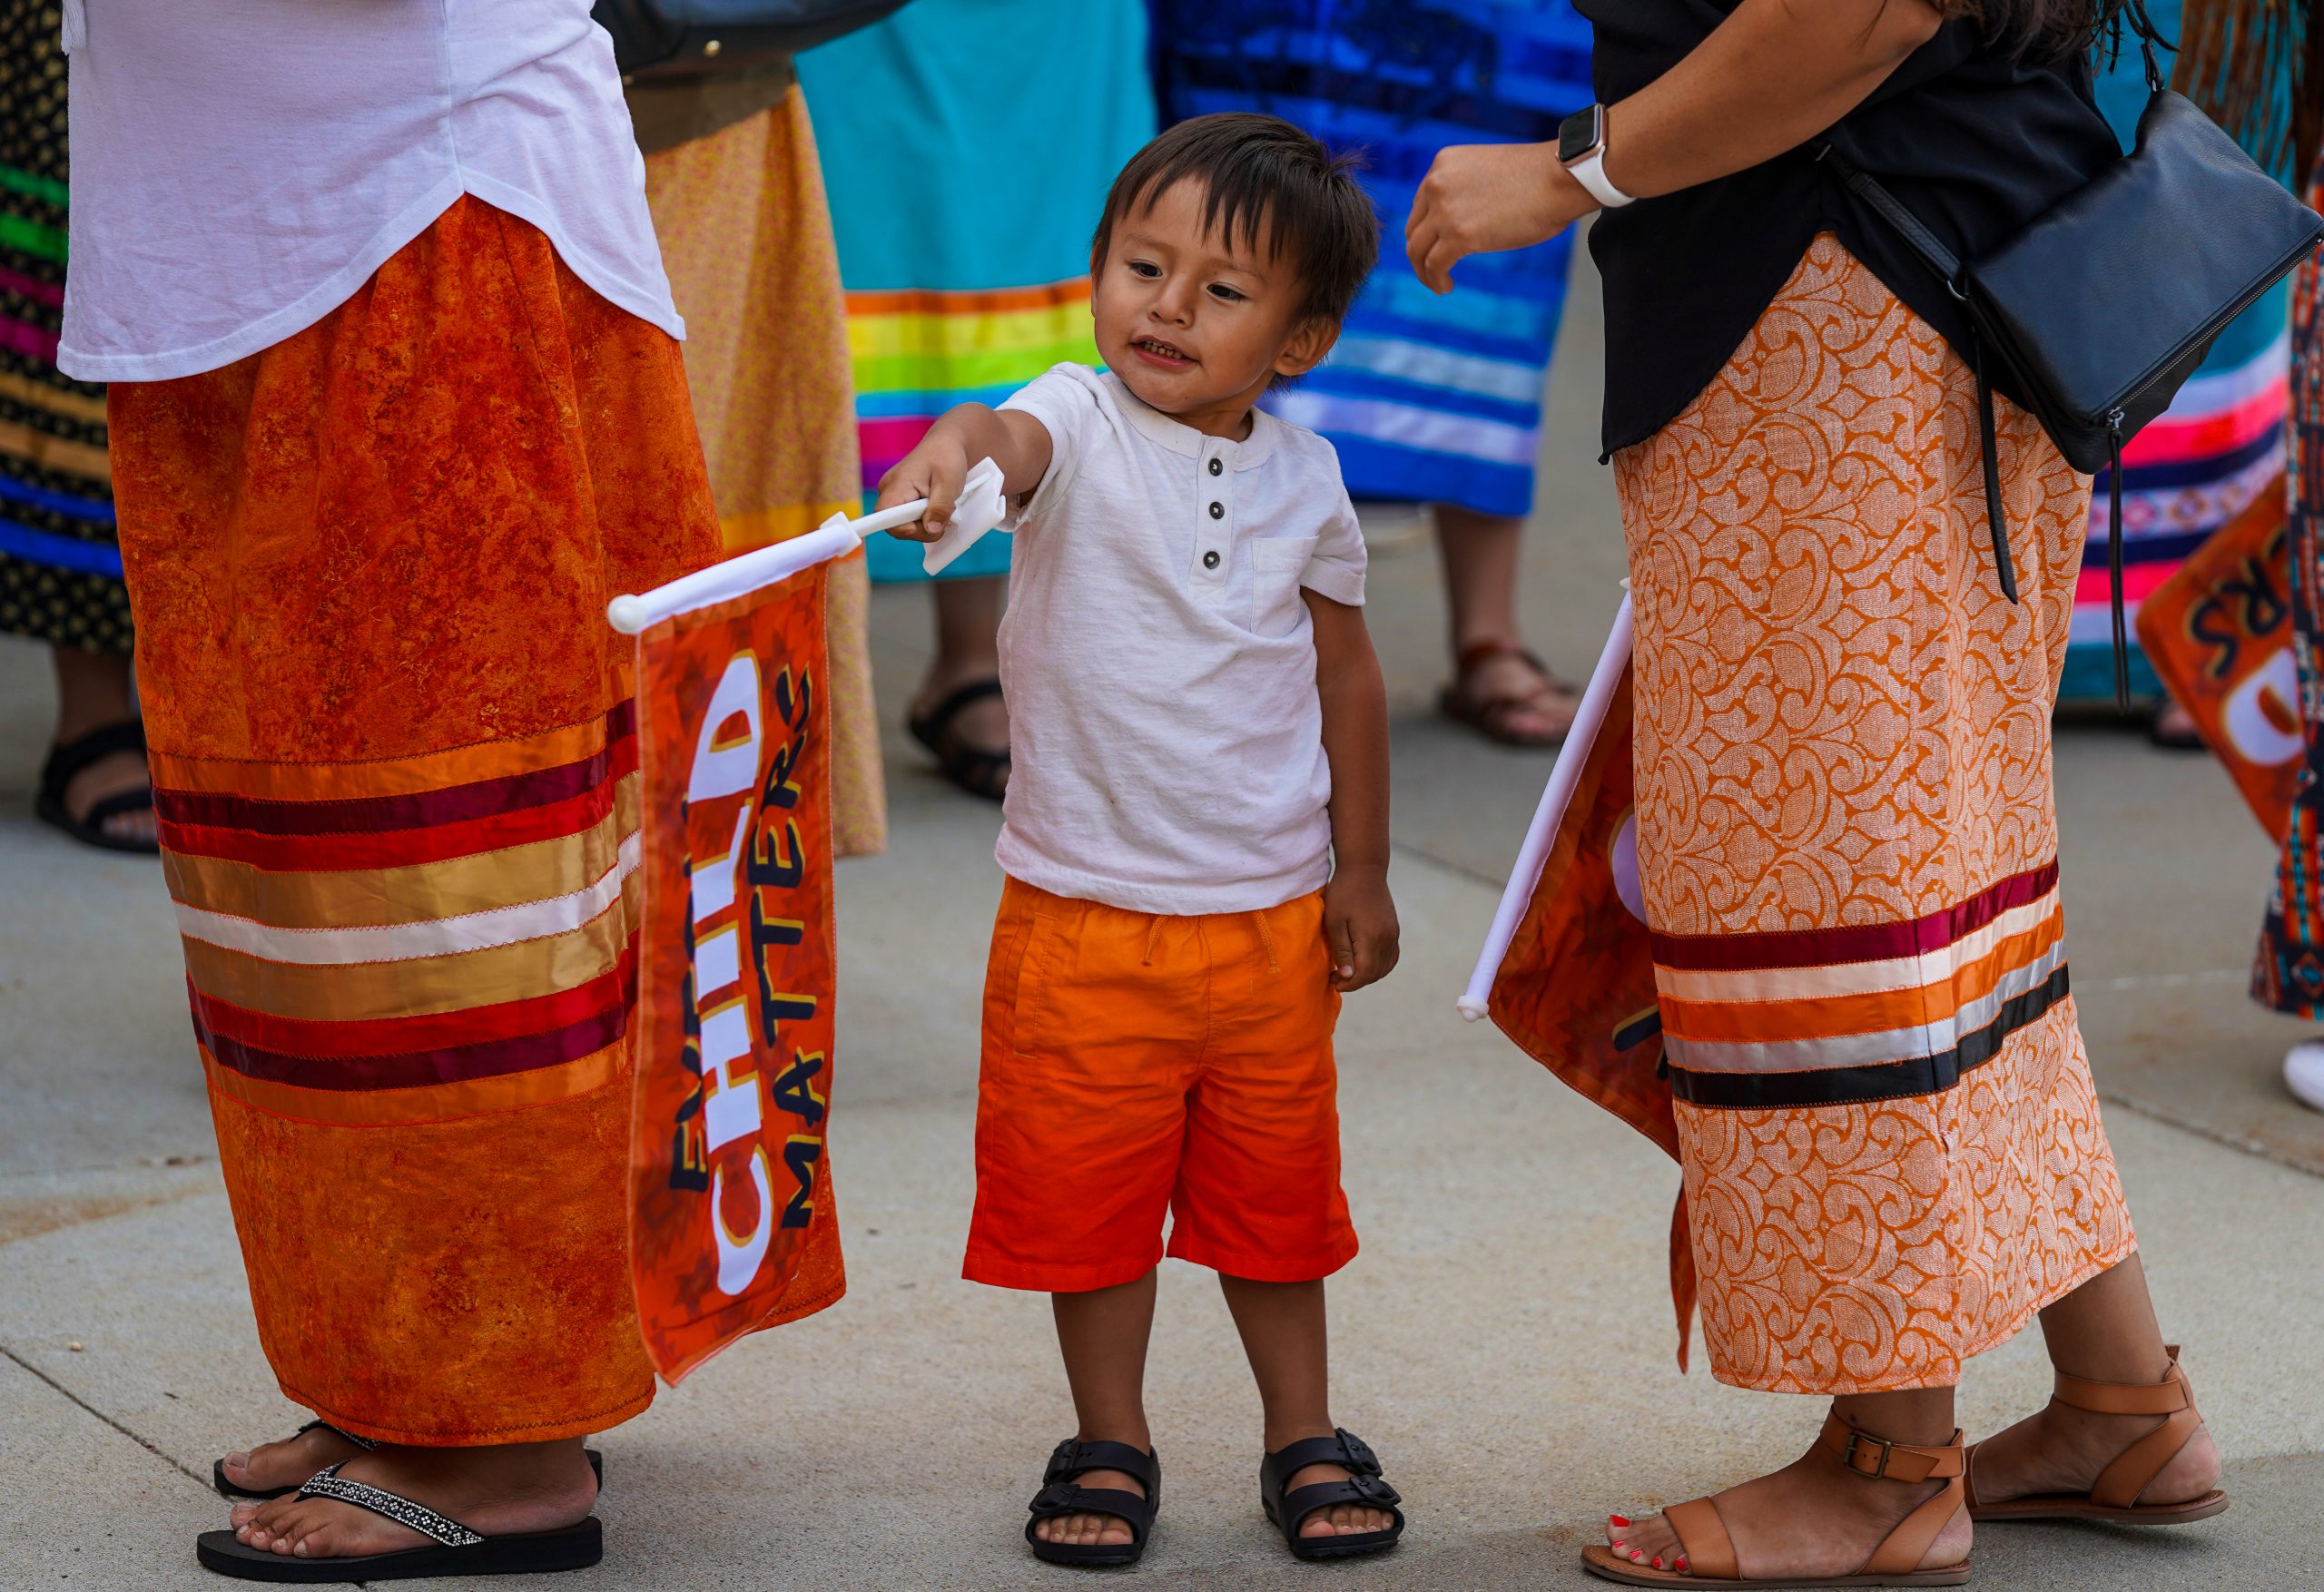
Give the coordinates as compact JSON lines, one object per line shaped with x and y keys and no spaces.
{"x":1908,"y":226}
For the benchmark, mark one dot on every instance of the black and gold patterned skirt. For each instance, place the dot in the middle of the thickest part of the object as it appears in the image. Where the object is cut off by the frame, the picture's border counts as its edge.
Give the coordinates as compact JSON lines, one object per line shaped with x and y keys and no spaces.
{"x":60,"y":562}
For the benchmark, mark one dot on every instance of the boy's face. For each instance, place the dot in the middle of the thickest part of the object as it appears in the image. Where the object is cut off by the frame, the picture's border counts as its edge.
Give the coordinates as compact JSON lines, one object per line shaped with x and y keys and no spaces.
{"x":1196,"y":324}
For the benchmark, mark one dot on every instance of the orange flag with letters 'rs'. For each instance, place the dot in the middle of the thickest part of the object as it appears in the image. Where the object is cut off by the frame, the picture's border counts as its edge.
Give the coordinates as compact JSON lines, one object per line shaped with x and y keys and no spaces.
{"x":730,"y":1189}
{"x":2219,"y":634}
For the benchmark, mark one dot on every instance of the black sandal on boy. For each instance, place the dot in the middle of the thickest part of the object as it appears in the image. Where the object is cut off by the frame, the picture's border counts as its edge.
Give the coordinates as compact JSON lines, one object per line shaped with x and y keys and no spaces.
{"x":1364,"y":1486}
{"x":456,"y":1550}
{"x":974,"y":769}
{"x":1061,"y":1495}
{"x":227,"y":1488}
{"x":66,"y":761}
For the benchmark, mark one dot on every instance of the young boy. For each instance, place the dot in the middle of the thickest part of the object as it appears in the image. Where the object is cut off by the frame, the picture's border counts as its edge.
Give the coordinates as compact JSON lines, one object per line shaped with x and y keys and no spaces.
{"x":1195,"y":835}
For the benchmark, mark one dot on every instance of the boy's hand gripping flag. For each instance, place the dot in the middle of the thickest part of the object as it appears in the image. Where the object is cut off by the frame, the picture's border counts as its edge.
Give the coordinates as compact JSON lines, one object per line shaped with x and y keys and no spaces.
{"x":1567,"y":970}
{"x":729,"y":1183}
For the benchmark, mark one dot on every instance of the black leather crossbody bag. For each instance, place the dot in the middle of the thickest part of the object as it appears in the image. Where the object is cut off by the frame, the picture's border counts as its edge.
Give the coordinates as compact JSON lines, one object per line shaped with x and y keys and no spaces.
{"x":2103,"y":305}
{"x":659,"y":40}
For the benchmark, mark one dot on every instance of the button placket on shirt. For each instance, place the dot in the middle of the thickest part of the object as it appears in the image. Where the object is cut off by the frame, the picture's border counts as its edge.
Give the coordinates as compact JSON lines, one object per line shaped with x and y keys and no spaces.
{"x":1214,"y":520}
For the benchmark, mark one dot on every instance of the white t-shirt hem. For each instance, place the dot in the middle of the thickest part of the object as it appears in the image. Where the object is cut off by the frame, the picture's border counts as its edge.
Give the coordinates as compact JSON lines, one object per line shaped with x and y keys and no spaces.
{"x":1242,"y":895}
{"x":336,"y":290}
{"x":648,"y":303}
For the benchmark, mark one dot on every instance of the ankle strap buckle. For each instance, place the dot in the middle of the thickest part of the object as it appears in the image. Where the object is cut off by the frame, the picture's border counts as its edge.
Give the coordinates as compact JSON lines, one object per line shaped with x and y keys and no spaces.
{"x":1858,"y":1439}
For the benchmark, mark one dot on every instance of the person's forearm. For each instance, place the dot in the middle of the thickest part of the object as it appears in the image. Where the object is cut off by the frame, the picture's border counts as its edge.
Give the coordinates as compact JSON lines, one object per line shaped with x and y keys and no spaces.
{"x":1355,"y":744}
{"x":982,"y":432}
{"x":1770,"y":77}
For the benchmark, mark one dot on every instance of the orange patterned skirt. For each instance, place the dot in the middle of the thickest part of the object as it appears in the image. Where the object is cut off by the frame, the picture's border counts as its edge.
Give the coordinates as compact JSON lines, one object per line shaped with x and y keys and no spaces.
{"x":395,"y":763}
{"x":1847,"y":845}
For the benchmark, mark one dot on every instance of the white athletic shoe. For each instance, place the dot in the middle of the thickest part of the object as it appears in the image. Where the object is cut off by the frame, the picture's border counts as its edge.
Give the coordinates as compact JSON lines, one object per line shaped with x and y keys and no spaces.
{"x":2304,"y":1073}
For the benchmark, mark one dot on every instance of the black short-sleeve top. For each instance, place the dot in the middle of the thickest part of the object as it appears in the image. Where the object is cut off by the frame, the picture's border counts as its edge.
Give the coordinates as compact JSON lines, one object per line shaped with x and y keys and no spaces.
{"x":1974,"y":140}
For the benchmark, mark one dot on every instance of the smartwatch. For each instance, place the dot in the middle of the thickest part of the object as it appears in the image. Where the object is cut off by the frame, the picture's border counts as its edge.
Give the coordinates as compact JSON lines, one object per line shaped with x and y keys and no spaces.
{"x":1581,"y":150}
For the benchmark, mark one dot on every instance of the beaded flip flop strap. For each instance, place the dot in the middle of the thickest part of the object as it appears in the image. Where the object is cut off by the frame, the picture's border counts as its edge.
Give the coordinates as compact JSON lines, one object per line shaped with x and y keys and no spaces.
{"x":329,"y":1483}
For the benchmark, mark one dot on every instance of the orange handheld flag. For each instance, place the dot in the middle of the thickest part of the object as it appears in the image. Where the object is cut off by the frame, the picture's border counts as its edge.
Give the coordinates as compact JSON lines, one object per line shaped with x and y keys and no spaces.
{"x":2219,"y":632}
{"x":1567,"y":970}
{"x":736,"y":969}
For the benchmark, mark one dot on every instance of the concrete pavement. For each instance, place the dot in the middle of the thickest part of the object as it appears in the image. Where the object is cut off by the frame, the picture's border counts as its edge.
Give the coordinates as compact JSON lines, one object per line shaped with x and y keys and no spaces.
{"x":1503,"y":1339}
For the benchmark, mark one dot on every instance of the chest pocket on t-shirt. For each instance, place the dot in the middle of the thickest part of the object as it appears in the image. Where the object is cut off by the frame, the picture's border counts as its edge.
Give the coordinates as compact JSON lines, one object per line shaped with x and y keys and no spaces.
{"x":1276,"y":564}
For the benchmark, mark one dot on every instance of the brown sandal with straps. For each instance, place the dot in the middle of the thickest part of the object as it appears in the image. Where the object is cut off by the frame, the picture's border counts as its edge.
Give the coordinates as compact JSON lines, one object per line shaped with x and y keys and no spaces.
{"x":1489,"y":715}
{"x":1708,"y":1553}
{"x":2123,"y":1483}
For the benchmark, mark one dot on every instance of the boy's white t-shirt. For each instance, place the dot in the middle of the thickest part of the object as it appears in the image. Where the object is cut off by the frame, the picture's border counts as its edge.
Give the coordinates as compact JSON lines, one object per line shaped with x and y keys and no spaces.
{"x":1165,"y":727}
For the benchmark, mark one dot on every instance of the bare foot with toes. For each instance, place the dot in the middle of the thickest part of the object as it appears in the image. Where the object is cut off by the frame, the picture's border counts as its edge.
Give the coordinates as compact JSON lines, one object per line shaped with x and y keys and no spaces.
{"x":1090,"y":1528}
{"x":1338,"y":1519}
{"x":288,"y":1462}
{"x":496,"y":1491}
{"x":1809,"y":1520}
{"x":2065,"y":1450}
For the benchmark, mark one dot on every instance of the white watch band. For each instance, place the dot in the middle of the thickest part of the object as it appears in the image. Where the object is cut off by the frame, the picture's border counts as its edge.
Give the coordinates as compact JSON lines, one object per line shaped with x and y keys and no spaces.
{"x":1591,"y":172}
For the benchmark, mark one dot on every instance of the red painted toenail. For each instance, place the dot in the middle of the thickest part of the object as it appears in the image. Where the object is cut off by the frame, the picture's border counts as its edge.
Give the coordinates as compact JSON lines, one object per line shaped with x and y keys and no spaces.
{"x":1619,"y":1545}
{"x":1681,"y":1566}
{"x":1658,"y":1562}
{"x":1619,"y":1519}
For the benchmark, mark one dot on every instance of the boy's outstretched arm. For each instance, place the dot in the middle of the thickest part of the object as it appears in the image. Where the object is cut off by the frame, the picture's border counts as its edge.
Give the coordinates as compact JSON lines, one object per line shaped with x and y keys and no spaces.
{"x":1359,"y":917}
{"x":1012,"y":439}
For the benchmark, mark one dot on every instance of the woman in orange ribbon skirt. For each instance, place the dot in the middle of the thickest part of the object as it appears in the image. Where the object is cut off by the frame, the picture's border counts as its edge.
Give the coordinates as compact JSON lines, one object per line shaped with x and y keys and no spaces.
{"x":1846,"y":836}
{"x":396,"y":405}
{"x":1848,"y":852}
{"x":396,"y":772}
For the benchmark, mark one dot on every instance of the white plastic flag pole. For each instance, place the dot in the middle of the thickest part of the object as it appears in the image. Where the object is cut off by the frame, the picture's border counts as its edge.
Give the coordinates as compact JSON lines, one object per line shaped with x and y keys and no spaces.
{"x":981,"y":507}
{"x":1518,"y":894}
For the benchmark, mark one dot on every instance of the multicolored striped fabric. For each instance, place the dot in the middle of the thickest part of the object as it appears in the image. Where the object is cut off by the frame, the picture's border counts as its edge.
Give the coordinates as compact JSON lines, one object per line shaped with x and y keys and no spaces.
{"x":60,"y":564}
{"x":918,"y":351}
{"x":1427,"y":400}
{"x":2191,"y":470}
{"x":2288,"y":973}
{"x":1875,"y":1012}
{"x":458,"y":930}
{"x":964,"y":213}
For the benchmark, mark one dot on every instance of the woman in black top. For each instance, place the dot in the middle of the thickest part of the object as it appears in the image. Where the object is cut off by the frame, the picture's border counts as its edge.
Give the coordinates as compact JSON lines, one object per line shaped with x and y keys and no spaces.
{"x":1846,"y":837}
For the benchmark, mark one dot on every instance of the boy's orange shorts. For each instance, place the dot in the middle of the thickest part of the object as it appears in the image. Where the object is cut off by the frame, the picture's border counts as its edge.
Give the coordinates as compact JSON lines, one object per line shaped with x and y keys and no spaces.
{"x":1134,"y":1063}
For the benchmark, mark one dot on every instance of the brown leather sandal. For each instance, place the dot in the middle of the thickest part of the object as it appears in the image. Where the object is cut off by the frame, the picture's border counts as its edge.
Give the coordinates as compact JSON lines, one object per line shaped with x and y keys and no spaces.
{"x":1708,"y":1557}
{"x":2122,"y":1484}
{"x":1489,"y":717}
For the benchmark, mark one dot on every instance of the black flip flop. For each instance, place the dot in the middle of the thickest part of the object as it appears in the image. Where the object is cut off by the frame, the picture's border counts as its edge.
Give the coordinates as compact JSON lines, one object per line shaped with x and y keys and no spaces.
{"x":1364,"y":1486}
{"x":971,"y":768}
{"x":1060,"y":1496}
{"x":458,"y":1551}
{"x":67,"y":760}
{"x":228,"y":1489}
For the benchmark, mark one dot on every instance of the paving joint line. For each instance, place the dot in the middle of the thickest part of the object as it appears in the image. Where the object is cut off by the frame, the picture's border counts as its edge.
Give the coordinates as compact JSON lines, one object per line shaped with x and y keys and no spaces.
{"x":151,"y":1448}
{"x":2248,"y":1146}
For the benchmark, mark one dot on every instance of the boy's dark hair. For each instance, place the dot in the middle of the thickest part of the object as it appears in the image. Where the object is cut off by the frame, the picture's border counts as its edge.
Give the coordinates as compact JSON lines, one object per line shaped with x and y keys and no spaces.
{"x":1261,"y":173}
